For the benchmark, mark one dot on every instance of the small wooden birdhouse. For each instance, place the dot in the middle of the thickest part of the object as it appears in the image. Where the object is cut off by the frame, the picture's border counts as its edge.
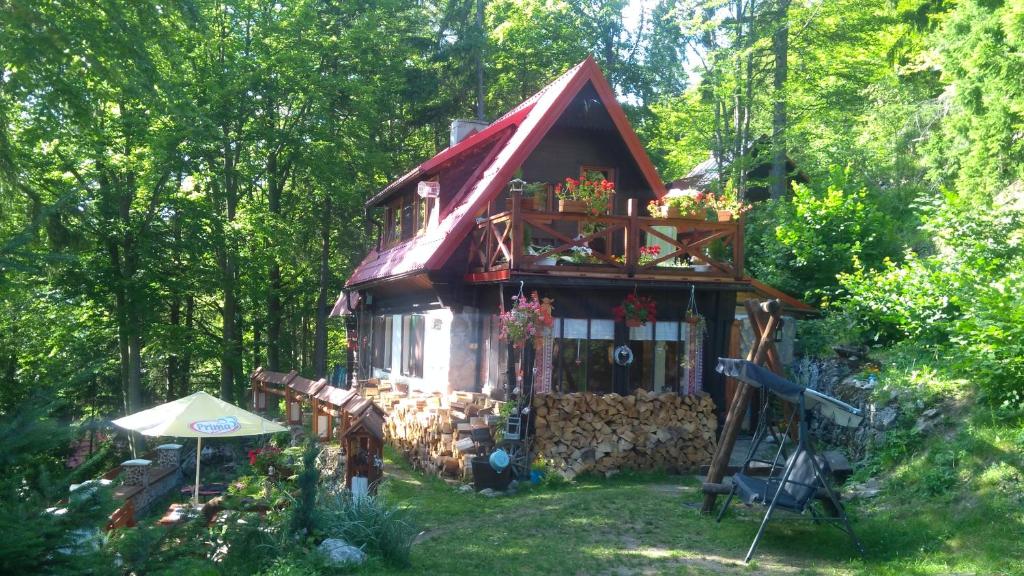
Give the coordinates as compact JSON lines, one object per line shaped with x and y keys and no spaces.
{"x":364,"y":452}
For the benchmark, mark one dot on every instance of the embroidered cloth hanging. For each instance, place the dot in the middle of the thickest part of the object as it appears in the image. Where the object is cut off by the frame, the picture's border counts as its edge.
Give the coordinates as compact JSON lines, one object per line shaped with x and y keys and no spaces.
{"x":694,"y":347}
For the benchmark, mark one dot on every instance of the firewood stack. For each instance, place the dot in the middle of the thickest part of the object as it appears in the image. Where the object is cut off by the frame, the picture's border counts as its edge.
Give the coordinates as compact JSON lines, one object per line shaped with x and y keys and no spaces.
{"x":581,"y":432}
{"x":436,"y":433}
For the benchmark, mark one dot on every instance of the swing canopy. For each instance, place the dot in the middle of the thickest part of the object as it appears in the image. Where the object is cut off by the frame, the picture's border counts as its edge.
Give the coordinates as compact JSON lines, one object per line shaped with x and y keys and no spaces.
{"x":836,"y":410}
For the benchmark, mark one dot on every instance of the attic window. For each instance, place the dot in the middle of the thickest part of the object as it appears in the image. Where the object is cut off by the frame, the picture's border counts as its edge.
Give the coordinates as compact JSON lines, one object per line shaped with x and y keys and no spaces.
{"x":393,"y":223}
{"x":426,"y":197}
{"x":606,"y":172}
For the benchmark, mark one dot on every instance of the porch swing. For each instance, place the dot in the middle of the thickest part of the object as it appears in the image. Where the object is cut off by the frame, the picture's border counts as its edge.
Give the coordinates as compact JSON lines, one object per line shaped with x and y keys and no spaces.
{"x":795,"y":480}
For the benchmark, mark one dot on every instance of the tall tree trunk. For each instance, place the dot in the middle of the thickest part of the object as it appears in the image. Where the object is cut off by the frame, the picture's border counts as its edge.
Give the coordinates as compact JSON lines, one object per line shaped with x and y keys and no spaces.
{"x":274,"y":290}
{"x":231,"y":353}
{"x":780,"y":47}
{"x":173,"y":361}
{"x":737,"y":96}
{"x":320,"y":337}
{"x":185,"y":384}
{"x":481,"y":41}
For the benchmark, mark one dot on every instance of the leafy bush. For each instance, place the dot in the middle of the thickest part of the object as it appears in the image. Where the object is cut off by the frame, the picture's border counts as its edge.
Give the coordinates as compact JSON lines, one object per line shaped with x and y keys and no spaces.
{"x":32,"y":479}
{"x":369,"y":523}
{"x":251,"y":544}
{"x":801,"y":244}
{"x":302,"y":522}
{"x":966,"y":298}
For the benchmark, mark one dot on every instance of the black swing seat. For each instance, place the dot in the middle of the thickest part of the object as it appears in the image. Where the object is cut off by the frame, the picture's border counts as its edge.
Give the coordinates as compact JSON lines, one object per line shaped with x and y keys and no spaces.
{"x":792,"y":483}
{"x":798,"y":490}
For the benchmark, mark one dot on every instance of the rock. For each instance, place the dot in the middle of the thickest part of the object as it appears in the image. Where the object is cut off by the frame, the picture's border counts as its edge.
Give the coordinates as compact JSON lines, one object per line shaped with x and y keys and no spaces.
{"x":341,"y":553}
{"x":928,"y":419}
{"x":868,"y":489}
{"x":466,"y":488}
{"x":488,"y":492}
{"x":884,"y":419}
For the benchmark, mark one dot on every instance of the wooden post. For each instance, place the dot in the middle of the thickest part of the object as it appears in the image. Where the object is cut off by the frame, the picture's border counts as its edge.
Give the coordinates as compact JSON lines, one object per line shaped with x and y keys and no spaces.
{"x":764,"y":319}
{"x":632,"y":237}
{"x":517,"y":230}
{"x":737,"y":247}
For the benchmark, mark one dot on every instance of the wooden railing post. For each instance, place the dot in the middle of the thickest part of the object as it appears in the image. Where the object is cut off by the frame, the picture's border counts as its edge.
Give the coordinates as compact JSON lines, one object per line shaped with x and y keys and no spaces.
{"x":632,"y":237}
{"x":737,"y":247}
{"x":517,"y":230}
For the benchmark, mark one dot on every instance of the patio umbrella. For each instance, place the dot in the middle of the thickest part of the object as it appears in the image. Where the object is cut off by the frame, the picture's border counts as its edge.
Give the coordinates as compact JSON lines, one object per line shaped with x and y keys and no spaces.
{"x":198,"y":416}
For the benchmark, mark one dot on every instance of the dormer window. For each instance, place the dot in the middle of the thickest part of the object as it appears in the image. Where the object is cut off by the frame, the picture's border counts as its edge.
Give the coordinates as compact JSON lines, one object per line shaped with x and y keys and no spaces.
{"x":393,"y":222}
{"x":426,"y":197}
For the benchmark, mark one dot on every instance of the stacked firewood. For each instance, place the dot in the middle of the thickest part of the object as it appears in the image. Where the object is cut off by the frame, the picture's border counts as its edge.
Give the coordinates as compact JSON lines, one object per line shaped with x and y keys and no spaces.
{"x":580,"y":432}
{"x":439,"y":435}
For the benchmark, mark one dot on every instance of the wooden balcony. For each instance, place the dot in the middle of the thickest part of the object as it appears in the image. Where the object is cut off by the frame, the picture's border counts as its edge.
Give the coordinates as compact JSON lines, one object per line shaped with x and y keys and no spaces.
{"x":714,"y":250}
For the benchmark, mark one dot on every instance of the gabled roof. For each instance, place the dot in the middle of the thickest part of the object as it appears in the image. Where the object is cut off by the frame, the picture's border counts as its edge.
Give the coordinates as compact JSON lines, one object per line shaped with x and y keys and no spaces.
{"x":512,"y":137}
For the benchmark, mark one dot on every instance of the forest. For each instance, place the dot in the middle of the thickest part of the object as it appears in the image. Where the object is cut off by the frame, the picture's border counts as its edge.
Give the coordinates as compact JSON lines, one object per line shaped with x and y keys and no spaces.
{"x":182,"y":184}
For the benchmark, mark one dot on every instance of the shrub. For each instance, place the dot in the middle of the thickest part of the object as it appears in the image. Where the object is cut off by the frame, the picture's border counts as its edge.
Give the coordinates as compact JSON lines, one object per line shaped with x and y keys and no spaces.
{"x":801,"y":244}
{"x":302,"y":522}
{"x":369,"y":523}
{"x":965,"y":299}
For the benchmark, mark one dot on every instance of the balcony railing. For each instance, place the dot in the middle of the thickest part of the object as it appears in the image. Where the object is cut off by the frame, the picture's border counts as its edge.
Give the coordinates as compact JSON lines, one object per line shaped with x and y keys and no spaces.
{"x":618,"y":245}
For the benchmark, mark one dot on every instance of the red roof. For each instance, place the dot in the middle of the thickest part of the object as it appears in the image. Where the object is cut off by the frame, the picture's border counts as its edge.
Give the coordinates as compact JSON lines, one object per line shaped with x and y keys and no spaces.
{"x":513,"y":137}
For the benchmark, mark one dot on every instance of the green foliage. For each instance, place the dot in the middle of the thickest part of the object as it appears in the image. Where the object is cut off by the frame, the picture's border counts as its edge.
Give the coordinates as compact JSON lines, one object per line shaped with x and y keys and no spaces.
{"x":302,"y":515}
{"x":369,"y":523}
{"x":33,"y":479}
{"x":803,"y":243}
{"x":964,"y":299}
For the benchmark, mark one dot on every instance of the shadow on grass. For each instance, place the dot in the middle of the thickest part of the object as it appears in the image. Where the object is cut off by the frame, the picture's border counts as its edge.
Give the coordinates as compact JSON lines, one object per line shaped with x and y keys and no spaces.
{"x":641,"y":523}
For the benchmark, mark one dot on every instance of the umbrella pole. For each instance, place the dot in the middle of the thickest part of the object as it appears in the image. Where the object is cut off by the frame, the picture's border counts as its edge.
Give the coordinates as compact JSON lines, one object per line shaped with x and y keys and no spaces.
{"x":199,"y":450}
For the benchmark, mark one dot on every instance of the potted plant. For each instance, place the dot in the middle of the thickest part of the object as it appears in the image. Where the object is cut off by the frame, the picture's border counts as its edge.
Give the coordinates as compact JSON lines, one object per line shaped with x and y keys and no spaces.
{"x":727,"y":206}
{"x":636,"y":310}
{"x":533,"y":250}
{"x":649,"y":254}
{"x":589,"y":195}
{"x":524,"y":321}
{"x":535,"y":196}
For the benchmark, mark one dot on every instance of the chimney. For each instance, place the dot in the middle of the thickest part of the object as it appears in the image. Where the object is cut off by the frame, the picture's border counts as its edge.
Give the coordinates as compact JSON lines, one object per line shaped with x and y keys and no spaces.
{"x":462,"y":129}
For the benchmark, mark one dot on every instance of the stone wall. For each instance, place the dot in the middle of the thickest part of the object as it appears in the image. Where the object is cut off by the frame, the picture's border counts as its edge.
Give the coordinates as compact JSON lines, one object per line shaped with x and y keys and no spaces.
{"x":148,"y":480}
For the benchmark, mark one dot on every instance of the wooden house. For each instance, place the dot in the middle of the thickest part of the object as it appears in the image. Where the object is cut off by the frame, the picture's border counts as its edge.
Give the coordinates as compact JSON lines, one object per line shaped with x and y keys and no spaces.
{"x":456,"y":241}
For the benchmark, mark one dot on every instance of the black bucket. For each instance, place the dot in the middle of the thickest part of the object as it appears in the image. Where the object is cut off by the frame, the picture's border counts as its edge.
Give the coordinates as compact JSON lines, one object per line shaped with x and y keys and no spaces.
{"x":485,"y":477}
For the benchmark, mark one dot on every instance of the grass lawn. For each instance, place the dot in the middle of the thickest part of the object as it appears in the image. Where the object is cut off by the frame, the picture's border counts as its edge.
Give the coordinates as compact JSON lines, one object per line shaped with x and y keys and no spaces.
{"x":650,"y":524}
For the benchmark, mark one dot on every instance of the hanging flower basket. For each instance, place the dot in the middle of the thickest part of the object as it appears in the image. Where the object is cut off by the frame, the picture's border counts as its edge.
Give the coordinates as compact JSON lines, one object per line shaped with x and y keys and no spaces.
{"x":525,"y":321}
{"x":636,"y":311}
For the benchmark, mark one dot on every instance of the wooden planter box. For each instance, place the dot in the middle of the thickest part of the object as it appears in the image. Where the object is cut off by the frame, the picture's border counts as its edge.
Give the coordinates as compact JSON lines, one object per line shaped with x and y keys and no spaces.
{"x":531,"y":203}
{"x":575,"y":206}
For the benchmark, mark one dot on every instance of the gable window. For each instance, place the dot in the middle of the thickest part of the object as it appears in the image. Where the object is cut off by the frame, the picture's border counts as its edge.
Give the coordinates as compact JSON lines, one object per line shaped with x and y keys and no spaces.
{"x":413,"y":337}
{"x":606,"y":172}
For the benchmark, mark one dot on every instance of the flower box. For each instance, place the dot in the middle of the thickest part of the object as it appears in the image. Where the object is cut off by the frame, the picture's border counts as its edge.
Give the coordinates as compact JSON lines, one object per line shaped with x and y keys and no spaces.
{"x":574,"y":206}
